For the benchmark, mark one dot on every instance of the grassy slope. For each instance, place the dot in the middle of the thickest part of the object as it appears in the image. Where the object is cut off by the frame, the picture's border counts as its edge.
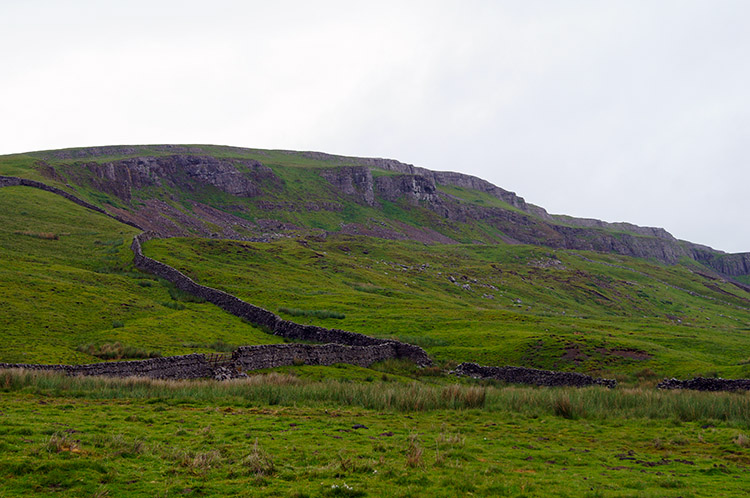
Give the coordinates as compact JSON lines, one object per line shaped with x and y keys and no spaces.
{"x":545,"y":303}
{"x":56,"y":295}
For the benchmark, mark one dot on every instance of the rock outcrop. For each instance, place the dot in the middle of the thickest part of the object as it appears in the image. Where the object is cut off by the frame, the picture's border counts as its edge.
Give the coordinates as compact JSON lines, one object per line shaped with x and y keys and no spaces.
{"x":728,"y":264}
{"x":364,"y":180}
{"x":415,"y":189}
{"x":242,"y":178}
{"x":355,"y":181}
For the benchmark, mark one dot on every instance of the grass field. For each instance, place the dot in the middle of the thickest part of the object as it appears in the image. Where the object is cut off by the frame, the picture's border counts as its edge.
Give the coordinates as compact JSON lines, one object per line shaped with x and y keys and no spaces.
{"x":276,"y":435}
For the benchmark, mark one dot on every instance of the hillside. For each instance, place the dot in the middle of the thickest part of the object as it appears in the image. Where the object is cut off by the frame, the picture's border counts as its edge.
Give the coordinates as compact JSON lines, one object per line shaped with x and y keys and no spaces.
{"x":446,"y":261}
{"x":245,"y":194}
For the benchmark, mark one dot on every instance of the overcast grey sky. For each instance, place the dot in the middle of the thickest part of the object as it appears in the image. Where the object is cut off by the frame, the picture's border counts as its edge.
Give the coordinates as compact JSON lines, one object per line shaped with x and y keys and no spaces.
{"x":620,"y":110}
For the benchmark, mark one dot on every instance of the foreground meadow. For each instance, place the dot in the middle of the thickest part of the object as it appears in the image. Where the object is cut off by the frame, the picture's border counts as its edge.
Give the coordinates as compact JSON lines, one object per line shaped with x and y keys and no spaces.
{"x":279,"y":435}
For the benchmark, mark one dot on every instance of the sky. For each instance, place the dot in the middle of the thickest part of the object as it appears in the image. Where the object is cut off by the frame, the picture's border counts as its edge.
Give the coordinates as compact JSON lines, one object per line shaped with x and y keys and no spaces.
{"x":629,"y":110}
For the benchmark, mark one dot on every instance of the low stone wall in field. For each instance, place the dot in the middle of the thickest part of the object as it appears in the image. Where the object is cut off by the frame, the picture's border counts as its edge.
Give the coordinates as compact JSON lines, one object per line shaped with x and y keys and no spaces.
{"x":533,"y":376}
{"x":244,"y":358}
{"x":258,"y":357}
{"x":706,"y":384}
{"x":189,"y":366}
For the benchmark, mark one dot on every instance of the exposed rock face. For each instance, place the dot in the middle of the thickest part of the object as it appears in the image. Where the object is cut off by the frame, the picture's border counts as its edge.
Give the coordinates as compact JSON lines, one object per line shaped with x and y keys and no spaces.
{"x":235,"y":177}
{"x":415,"y":188}
{"x":352,"y":180}
{"x":728,"y":264}
{"x":435,"y":177}
{"x":533,"y":376}
{"x":624,"y":227}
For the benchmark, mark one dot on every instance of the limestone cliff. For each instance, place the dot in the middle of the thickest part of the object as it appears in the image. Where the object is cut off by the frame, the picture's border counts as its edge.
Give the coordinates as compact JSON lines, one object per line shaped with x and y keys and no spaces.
{"x":119,"y":178}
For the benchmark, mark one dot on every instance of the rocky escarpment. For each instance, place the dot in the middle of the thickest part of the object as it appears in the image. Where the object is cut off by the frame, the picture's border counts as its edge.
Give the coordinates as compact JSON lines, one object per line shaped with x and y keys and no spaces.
{"x":434,"y":177}
{"x":620,"y":227}
{"x":528,"y":224}
{"x":728,"y":264}
{"x":242,"y":178}
{"x":532,"y":376}
{"x":414,"y":188}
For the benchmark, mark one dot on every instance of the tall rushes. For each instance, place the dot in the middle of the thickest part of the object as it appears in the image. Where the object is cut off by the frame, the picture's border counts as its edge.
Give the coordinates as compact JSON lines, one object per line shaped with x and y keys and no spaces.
{"x":287,"y":390}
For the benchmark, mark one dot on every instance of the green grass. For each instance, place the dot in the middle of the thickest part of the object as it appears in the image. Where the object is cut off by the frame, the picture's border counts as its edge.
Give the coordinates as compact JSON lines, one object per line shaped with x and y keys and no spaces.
{"x":117,"y":351}
{"x":315,"y":313}
{"x":280,"y":436}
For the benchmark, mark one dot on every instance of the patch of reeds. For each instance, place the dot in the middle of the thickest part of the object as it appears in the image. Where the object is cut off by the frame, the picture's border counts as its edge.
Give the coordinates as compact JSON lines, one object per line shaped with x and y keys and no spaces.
{"x":288,"y":390}
{"x":259,"y":462}
{"x":182,"y":296}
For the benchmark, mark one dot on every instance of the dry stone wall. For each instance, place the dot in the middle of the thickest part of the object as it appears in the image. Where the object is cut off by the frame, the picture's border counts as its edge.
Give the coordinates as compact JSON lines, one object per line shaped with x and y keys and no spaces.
{"x":706,"y":384}
{"x":533,"y":376}
{"x":190,"y":366}
{"x":258,"y":357}
{"x":245,"y":358}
